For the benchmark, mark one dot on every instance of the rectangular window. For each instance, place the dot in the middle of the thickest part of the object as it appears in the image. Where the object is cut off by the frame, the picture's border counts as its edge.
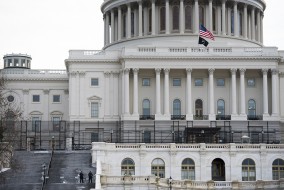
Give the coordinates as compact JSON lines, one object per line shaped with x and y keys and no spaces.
{"x":36,"y":124}
{"x":94,"y":137}
{"x":198,"y":82}
{"x":36,"y":98}
{"x":176,"y":82}
{"x":94,"y":82}
{"x":146,"y":82}
{"x":220,"y":82}
{"x":251,"y":82}
{"x":94,"y":109}
{"x":56,"y":98}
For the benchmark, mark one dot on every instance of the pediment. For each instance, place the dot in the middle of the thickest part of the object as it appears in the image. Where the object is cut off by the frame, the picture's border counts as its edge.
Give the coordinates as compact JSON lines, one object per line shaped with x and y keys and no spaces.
{"x":94,"y":98}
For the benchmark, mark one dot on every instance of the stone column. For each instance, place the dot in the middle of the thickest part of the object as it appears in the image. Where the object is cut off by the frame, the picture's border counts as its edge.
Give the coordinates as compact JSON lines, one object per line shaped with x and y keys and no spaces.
{"x":126,"y":91}
{"x":167,"y":17}
{"x":140,"y":19}
{"x":219,"y":20}
{"x":181,"y":17}
{"x":119,"y":24}
{"x":135,"y":92}
{"x":224,"y":17}
{"x":166,"y":93}
{"x":234,"y":92}
{"x":196,"y":17}
{"x":107,"y":93}
{"x":258,"y":25}
{"x":252,"y":24}
{"x":158,"y":89}
{"x":265,"y":93}
{"x":210,"y":16}
{"x":242,"y":93}
{"x":107,"y":28}
{"x":128,"y":21}
{"x":153,"y":17}
{"x":236,"y":23}
{"x":112,"y":25}
{"x":45,"y":116}
{"x":275,"y":101}
{"x":189,"y":115}
{"x":211,"y":95}
{"x":245,"y":33}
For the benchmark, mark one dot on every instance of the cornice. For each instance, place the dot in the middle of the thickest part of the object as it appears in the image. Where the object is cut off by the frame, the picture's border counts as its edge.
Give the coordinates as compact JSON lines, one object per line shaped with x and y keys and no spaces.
{"x":70,"y":61}
{"x":37,"y":79}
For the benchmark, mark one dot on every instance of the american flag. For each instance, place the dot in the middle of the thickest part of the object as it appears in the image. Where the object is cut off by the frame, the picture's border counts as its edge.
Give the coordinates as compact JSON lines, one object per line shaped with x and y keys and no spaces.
{"x":203,"y":32}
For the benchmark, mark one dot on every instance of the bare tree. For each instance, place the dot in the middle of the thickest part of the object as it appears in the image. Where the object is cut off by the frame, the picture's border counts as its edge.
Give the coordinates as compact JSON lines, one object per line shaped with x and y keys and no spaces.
{"x":10,"y":115}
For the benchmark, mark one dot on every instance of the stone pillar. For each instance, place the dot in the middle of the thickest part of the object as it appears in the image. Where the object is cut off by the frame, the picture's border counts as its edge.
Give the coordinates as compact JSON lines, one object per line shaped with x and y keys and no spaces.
{"x":166,"y":93}
{"x":107,"y":28}
{"x":135,"y":92}
{"x":112,"y":25}
{"x":211,"y":95}
{"x":196,"y":17}
{"x":167,"y":17}
{"x":126,"y":91}
{"x":252,"y":24}
{"x":106,"y":95}
{"x":224,"y":17}
{"x":210,"y":16}
{"x":245,"y":33}
{"x":189,"y":115}
{"x":140,"y":19}
{"x":119,"y":24}
{"x":181,"y":17}
{"x":153,"y":17}
{"x":275,"y":101}
{"x":234,"y":92}
{"x":158,"y":89}
{"x":128,"y":31}
{"x":219,"y":20}
{"x":265,"y":93}
{"x":68,"y":144}
{"x":258,"y":25}
{"x":236,"y":23}
{"x":242,"y":93}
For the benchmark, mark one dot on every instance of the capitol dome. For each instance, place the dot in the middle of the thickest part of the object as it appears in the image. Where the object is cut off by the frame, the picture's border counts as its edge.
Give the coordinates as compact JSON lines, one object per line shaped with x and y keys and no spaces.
{"x":175,"y":23}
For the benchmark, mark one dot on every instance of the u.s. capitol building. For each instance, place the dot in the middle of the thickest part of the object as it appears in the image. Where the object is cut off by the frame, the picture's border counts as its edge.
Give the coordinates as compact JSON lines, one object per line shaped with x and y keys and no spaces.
{"x":154,"y":102}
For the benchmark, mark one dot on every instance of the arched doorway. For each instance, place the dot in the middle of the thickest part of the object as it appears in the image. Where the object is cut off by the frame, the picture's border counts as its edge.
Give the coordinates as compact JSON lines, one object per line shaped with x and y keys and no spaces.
{"x":218,"y":170}
{"x":199,"y":109}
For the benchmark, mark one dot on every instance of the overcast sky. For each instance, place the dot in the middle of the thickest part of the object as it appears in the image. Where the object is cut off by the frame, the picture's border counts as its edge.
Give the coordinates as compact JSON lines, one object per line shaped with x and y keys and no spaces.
{"x":48,"y":29}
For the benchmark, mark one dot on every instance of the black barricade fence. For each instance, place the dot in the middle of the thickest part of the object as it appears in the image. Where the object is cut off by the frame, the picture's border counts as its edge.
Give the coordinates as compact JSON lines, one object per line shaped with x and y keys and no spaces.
{"x":48,"y":135}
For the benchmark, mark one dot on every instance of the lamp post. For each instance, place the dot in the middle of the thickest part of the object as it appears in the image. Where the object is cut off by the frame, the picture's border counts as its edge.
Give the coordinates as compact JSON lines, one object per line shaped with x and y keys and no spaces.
{"x":262,"y":133}
{"x":202,"y":134}
{"x":111,"y":133}
{"x":170,"y":182}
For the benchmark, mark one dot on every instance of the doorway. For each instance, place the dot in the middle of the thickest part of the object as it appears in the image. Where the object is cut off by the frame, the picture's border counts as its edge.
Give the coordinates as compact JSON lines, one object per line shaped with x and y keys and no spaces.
{"x":218,"y":170}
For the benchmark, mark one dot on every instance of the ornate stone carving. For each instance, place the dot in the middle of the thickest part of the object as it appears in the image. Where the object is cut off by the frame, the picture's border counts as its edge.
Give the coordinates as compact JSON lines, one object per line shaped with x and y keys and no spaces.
{"x":158,"y":70}
{"x":82,"y":73}
{"x":46,"y":91}
{"x":264,"y":71}
{"x":242,"y":70}
{"x":189,"y":70}
{"x":233,"y":70}
{"x":274,"y":71}
{"x":25,"y":91}
{"x":211,"y":70}
{"x":135,"y":70}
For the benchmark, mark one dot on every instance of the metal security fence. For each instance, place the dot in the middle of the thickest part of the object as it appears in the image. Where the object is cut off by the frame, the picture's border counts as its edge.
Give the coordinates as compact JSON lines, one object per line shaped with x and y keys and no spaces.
{"x":47,"y":135}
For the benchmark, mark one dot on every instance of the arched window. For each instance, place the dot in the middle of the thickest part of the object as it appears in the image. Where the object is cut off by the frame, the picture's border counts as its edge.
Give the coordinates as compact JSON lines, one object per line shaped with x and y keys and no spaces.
{"x":175,"y":20}
{"x":220,"y":107}
{"x":198,"y":108}
{"x":146,"y":107}
{"x":188,"y":18}
{"x":214,"y":19}
{"x":201,"y":16}
{"x":240,"y":23}
{"x":188,"y":169}
{"x":127,"y":167}
{"x":162,"y":19}
{"x":150,"y":20}
{"x":176,"y":107}
{"x":248,"y":170}
{"x":278,"y":169}
{"x":251,"y":107}
{"x":158,"y":168}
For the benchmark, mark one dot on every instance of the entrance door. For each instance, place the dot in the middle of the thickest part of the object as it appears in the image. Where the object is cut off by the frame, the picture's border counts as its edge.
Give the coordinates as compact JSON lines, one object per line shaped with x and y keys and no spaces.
{"x":218,"y":170}
{"x":199,"y":109}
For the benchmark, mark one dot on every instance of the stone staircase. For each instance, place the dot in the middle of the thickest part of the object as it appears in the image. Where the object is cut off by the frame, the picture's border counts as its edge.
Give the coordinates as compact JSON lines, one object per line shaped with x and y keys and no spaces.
{"x":64,"y":170}
{"x":27,"y":173}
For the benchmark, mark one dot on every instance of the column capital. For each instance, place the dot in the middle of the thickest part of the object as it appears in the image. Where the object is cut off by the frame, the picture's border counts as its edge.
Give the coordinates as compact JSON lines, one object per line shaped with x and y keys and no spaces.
{"x":107,"y":73}
{"x":126,"y":70}
{"x":135,"y":70}
{"x":188,"y":70}
{"x":264,"y":71}
{"x":211,"y":70}
{"x":233,"y":70}
{"x":242,"y":70}
{"x":274,"y":71}
{"x":139,"y":2}
{"x":46,"y":91}
{"x":166,"y":70}
{"x":158,"y":70}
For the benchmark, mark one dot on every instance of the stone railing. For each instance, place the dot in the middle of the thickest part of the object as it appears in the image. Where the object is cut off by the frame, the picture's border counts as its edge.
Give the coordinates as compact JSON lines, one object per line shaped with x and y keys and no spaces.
{"x":117,"y":181}
{"x":191,"y":147}
{"x":91,"y":54}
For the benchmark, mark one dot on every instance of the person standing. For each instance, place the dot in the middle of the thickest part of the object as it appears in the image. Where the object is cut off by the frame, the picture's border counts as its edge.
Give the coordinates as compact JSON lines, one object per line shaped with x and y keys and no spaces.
{"x":81,"y":177}
{"x":90,"y":177}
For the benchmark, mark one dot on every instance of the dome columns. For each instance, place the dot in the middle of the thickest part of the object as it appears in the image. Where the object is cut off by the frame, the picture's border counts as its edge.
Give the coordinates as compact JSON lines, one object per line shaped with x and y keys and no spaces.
{"x":136,"y":19}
